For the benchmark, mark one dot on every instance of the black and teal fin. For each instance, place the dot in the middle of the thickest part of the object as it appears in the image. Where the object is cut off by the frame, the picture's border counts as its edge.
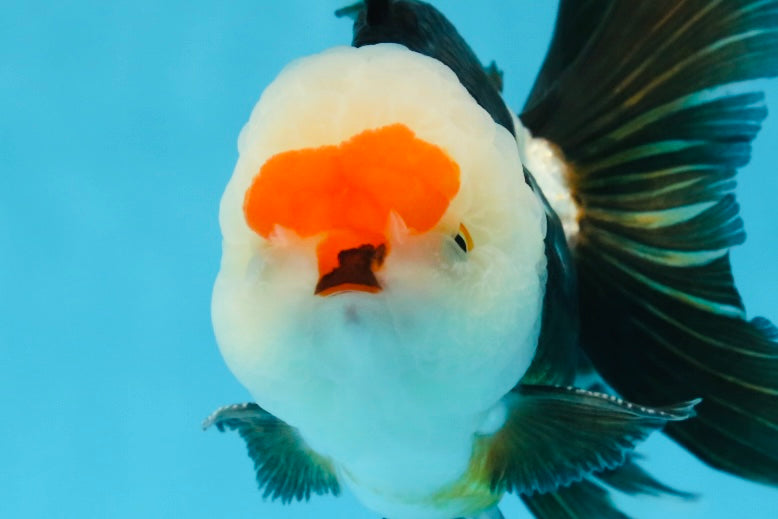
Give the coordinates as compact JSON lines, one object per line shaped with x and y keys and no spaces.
{"x":590,"y":498}
{"x":286,"y":468}
{"x":495,"y":75}
{"x":646,"y":100}
{"x":554,"y":436}
{"x":350,"y":11}
{"x":423,"y":29}
{"x":632,"y":479}
{"x":583,"y":500}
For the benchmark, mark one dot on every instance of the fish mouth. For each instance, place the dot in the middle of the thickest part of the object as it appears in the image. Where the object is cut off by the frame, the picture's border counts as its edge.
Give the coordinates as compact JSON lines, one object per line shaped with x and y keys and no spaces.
{"x":355,"y":271}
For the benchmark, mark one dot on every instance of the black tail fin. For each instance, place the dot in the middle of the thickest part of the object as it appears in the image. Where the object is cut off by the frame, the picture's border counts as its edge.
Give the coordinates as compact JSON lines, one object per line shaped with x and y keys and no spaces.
{"x":645,"y":100}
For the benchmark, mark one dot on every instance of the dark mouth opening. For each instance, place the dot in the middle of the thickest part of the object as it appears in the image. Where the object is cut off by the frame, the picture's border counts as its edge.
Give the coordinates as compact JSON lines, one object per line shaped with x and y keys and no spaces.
{"x":355,"y":271}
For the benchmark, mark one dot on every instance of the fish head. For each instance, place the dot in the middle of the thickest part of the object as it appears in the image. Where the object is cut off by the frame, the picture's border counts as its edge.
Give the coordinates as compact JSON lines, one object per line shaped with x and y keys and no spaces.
{"x":379,"y":242}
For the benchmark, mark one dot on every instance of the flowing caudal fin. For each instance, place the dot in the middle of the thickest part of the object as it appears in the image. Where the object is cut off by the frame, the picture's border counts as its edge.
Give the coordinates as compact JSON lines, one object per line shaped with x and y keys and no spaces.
{"x":647,"y":104}
{"x":286,"y":468}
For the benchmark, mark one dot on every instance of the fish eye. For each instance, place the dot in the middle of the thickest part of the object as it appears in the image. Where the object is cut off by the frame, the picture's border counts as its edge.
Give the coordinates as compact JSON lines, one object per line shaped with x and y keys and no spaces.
{"x":463,"y":238}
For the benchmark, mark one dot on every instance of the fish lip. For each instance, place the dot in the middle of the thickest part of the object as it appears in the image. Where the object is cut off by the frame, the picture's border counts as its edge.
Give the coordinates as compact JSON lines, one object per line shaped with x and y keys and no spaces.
{"x":348,"y":288}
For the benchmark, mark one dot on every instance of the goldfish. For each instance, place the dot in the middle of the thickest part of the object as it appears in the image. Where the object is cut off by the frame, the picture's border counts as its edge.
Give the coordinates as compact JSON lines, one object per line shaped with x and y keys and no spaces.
{"x":435,"y":301}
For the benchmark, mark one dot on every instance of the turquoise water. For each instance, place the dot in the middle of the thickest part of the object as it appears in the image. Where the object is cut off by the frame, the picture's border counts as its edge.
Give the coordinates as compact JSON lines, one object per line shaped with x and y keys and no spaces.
{"x":118,"y":128}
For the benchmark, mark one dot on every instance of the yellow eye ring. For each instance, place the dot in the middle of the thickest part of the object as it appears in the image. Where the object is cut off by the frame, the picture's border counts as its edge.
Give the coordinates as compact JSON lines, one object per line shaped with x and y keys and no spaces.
{"x":463,"y":238}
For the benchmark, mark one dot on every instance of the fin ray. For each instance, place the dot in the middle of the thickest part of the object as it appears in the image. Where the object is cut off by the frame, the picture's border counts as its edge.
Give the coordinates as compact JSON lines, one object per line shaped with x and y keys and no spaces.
{"x":652,"y":109}
{"x":286,"y":468}
{"x":530,"y":455}
{"x":583,"y":500}
{"x":632,"y":479}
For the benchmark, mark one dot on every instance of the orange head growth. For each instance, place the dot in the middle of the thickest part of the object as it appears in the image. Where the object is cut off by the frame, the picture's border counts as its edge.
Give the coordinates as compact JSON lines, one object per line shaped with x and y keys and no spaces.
{"x":347,"y":192}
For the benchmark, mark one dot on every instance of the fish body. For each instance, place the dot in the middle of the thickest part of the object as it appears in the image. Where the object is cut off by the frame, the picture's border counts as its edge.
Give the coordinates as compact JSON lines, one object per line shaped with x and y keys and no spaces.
{"x":410,"y":314}
{"x":393,"y":385}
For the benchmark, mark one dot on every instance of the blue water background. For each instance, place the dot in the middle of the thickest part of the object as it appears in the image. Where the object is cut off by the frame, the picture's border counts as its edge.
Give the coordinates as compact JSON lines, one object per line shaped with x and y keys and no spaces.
{"x":118,"y":128}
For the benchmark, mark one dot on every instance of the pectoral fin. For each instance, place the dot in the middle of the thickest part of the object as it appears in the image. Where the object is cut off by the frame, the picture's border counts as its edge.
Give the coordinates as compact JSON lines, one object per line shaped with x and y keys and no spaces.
{"x":555,"y":436}
{"x":287,"y":469}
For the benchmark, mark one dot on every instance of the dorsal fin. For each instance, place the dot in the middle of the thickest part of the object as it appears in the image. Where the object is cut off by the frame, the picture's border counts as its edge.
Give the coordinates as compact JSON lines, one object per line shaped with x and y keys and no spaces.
{"x":377,"y":11}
